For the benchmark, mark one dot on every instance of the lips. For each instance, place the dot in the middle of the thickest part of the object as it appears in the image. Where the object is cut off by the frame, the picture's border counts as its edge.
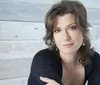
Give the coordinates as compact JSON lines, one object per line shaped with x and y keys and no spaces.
{"x":68,"y":45}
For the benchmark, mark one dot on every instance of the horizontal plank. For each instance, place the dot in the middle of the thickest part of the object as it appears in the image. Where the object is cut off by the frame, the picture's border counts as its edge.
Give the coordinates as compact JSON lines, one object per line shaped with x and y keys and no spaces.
{"x":15,"y":81}
{"x":91,"y":3}
{"x":20,"y":49}
{"x":87,"y":3}
{"x":21,"y":30}
{"x":97,"y":45}
{"x":94,"y":36}
{"x":20,"y":10}
{"x":15,"y":68}
{"x":32,"y":1}
{"x":93,"y":15}
{"x":96,"y":31}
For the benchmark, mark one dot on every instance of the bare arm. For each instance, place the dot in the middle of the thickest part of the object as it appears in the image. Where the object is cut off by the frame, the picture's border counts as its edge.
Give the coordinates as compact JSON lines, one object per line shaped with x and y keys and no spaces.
{"x":49,"y":81}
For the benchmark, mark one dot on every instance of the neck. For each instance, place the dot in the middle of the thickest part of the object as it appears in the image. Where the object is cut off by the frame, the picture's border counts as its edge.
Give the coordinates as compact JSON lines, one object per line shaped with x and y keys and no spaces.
{"x":70,"y":59}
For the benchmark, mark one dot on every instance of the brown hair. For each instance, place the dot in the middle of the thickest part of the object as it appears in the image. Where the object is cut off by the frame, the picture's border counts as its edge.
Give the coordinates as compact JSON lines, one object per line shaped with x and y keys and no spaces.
{"x":78,"y":10}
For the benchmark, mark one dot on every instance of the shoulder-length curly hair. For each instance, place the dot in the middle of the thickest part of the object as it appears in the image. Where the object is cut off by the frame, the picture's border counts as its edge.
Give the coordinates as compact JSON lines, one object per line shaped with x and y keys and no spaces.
{"x":78,"y":10}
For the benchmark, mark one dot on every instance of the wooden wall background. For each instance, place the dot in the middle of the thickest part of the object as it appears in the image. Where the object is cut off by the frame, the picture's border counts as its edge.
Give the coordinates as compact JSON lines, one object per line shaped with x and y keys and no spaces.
{"x":21,"y":35}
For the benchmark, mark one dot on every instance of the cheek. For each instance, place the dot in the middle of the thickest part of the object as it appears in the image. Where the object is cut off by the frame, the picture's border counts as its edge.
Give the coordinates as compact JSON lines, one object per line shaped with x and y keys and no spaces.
{"x":57,"y":40}
{"x":79,"y":39}
{"x":77,"y":35}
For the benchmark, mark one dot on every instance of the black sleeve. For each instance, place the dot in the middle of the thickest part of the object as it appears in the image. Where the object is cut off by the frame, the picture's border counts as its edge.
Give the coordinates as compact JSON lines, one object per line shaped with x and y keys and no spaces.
{"x":44,"y":64}
{"x":94,"y":78}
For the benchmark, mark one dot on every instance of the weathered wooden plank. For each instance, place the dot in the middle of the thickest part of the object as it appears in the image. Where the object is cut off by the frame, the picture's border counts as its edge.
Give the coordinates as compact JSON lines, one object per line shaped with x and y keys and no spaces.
{"x":17,"y":11}
{"x":19,"y":49}
{"x":15,"y":68}
{"x":21,"y":30}
{"x":20,"y":10}
{"x":97,"y":45}
{"x":96,"y":31}
{"x":93,"y":15}
{"x":91,"y":3}
{"x":94,"y":36}
{"x":15,"y":81}
{"x":32,"y":1}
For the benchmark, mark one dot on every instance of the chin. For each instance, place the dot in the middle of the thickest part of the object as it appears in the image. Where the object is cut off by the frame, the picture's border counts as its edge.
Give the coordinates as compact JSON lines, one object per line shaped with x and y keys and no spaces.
{"x":68,"y":51}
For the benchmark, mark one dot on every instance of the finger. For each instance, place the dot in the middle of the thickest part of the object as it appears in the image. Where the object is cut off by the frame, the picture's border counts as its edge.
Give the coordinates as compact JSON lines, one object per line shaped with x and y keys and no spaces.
{"x":45,"y":79}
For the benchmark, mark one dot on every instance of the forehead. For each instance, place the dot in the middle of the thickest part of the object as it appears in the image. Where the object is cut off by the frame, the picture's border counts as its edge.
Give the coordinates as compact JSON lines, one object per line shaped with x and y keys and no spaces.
{"x":65,"y":19}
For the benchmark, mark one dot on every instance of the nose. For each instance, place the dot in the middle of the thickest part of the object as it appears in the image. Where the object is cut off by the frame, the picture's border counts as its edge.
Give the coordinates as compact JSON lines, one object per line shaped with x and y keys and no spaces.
{"x":66,"y":36}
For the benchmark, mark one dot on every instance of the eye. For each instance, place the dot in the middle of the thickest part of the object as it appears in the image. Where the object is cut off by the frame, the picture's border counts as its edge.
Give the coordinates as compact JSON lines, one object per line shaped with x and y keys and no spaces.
{"x":73,"y":27}
{"x":57,"y":30}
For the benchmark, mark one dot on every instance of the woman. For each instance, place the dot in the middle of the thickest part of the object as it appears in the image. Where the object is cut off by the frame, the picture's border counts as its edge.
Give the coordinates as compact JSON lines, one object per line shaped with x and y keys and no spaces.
{"x":69,"y":59}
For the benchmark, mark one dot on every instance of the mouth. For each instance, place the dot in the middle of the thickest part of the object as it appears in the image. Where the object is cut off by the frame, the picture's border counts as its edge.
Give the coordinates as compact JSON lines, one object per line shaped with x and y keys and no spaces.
{"x":68,"y":45}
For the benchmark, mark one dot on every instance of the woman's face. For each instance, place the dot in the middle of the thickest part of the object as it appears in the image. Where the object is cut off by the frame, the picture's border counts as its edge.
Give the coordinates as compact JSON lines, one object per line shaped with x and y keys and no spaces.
{"x":67,"y":36}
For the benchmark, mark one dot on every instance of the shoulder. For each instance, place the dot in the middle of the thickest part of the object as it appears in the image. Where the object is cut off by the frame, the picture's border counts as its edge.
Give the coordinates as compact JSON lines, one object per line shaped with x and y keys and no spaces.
{"x":46,"y":54}
{"x":45,"y":63}
{"x":93,"y":68}
{"x":95,"y":60}
{"x":93,"y":71}
{"x":95,"y":57}
{"x":46,"y":59}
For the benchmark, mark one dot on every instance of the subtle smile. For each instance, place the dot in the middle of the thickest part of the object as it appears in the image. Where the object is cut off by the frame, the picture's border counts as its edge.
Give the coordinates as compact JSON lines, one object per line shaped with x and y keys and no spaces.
{"x":68,"y":45}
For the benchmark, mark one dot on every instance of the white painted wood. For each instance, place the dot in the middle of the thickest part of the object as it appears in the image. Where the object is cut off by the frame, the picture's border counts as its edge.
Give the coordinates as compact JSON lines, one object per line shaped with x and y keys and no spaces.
{"x":20,"y":49}
{"x":21,"y":30}
{"x":91,"y":3}
{"x":87,"y":3}
{"x":97,"y":45}
{"x":95,"y":31}
{"x":95,"y":36}
{"x":32,"y":1}
{"x":93,"y":15}
{"x":18,"y":10}
{"x":14,"y":81}
{"x":12,"y":11}
{"x":15,"y":68}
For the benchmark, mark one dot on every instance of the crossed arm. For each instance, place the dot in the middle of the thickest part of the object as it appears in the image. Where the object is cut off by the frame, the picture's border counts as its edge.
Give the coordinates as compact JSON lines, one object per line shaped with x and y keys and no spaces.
{"x":49,"y":81}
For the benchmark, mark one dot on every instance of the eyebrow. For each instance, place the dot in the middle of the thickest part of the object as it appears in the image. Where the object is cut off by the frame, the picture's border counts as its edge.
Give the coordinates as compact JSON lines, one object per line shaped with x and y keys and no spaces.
{"x":71,"y":24}
{"x":66,"y":26}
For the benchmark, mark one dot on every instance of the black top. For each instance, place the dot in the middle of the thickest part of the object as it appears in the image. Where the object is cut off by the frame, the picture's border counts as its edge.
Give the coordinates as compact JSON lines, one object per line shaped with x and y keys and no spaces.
{"x":47,"y":64}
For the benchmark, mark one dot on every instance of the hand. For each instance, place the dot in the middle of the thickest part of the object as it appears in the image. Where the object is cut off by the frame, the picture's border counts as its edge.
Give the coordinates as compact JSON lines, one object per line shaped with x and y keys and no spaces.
{"x":49,"y":81}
